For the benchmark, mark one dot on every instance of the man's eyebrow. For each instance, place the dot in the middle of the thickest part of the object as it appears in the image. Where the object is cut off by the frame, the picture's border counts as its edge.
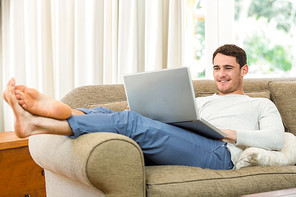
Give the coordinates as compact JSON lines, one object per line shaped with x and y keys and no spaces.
{"x":227,"y":65}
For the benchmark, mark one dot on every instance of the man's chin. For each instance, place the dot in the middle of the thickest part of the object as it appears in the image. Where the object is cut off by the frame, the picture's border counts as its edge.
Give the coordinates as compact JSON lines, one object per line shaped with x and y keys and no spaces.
{"x":225,"y":90}
{"x":223,"y":87}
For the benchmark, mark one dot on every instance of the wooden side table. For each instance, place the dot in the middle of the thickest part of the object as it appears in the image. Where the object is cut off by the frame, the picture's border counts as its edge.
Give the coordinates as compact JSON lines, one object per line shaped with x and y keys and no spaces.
{"x":20,"y":175}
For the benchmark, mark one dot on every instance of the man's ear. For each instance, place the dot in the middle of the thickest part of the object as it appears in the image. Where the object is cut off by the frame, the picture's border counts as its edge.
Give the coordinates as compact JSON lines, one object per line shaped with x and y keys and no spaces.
{"x":244,"y":70}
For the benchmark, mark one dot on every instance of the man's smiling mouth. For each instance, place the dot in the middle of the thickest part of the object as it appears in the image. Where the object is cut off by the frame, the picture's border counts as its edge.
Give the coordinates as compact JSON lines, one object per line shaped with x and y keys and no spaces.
{"x":224,"y":81}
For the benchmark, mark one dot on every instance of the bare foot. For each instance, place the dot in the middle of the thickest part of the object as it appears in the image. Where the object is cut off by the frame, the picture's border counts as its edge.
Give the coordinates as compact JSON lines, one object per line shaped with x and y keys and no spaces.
{"x":39,"y":104}
{"x":27,"y":124}
{"x":22,"y":125}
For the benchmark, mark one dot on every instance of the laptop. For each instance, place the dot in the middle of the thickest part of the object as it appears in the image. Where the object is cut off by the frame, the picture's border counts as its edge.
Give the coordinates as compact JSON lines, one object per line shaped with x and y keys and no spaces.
{"x":168,"y":96}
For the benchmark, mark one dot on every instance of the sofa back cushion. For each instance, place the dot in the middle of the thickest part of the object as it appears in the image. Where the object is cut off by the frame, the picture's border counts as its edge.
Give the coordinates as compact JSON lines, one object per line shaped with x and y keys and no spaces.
{"x":252,"y":87}
{"x":283,"y":94}
{"x":86,"y":96}
{"x":115,"y":106}
{"x":263,"y":94}
{"x":122,"y":105}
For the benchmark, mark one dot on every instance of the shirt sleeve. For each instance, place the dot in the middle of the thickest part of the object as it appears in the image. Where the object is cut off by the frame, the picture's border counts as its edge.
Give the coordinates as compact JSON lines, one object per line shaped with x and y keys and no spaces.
{"x":270,"y":135}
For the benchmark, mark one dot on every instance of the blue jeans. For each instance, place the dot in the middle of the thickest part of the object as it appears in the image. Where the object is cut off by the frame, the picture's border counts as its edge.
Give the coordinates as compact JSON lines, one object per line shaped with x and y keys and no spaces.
{"x":161,"y":143}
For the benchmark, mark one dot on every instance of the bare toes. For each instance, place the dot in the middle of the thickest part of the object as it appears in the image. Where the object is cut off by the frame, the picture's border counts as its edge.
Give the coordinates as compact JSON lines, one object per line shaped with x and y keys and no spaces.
{"x":24,"y":106}
{"x":21,"y":88}
{"x":18,"y":92}
{"x":18,"y":97}
{"x":21,"y":102}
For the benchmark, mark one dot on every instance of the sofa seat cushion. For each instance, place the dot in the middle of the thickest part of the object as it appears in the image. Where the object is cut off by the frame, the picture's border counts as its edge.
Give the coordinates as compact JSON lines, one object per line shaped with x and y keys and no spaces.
{"x":192,"y":181}
{"x":283,"y":93}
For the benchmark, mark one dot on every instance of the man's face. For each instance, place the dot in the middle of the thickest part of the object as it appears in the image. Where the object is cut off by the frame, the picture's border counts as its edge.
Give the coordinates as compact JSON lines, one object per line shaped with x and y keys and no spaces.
{"x":228,"y":75}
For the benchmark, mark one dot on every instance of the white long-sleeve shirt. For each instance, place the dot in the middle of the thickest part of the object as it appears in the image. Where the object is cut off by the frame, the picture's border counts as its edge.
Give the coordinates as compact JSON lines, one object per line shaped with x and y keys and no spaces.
{"x":256,"y":121}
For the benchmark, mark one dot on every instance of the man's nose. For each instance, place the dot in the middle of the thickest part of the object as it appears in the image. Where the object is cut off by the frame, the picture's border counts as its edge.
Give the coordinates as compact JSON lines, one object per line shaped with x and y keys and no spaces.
{"x":222,"y":73}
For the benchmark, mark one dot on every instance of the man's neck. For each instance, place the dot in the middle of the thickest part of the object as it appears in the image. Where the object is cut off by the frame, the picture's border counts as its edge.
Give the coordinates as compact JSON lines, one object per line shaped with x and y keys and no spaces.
{"x":241,"y":92}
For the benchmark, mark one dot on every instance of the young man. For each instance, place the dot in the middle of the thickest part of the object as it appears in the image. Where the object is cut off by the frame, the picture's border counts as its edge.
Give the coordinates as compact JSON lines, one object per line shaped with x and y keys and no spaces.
{"x":246,"y":121}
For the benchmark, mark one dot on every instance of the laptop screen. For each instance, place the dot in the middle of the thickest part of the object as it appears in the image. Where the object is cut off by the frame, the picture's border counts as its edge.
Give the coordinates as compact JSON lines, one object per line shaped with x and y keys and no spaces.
{"x":165,"y":95}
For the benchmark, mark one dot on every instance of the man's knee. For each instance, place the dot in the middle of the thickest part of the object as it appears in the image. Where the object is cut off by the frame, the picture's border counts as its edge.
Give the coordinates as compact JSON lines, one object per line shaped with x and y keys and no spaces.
{"x":131,"y":116}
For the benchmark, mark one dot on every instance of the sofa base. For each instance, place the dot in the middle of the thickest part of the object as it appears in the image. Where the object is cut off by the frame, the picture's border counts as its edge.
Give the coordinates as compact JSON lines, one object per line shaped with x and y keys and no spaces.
{"x":170,"y":181}
{"x":61,"y":186}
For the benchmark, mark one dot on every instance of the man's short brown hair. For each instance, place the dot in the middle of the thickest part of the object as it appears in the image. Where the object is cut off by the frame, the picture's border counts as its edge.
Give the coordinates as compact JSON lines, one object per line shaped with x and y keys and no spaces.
{"x":234,"y":51}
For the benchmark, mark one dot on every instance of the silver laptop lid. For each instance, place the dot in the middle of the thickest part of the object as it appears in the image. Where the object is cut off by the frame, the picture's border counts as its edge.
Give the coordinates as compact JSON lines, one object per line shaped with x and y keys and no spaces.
{"x":165,"y":95}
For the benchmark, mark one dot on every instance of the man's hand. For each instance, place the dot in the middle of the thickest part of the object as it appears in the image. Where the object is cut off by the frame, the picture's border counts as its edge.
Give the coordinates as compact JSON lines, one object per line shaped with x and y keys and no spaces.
{"x":230,"y":137}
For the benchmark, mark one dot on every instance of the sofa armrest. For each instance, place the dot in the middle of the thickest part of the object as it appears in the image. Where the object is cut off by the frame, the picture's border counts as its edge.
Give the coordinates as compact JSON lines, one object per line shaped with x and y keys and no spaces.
{"x":109,"y":162}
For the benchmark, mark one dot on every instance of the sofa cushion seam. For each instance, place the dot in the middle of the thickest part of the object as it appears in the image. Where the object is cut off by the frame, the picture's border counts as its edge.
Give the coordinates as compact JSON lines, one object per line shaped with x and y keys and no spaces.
{"x":224,"y":178}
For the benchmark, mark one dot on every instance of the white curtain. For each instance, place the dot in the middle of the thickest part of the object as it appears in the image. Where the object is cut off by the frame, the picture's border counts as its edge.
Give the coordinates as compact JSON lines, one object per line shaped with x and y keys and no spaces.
{"x":57,"y":45}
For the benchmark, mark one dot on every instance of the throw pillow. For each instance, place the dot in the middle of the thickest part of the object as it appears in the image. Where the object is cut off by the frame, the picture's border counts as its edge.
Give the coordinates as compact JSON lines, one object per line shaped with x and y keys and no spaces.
{"x":284,"y":96}
{"x":257,"y":156}
{"x":264,"y":94}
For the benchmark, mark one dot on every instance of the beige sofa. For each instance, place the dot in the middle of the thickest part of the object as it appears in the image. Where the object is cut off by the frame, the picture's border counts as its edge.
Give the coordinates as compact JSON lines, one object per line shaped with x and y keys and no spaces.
{"x":109,"y":164}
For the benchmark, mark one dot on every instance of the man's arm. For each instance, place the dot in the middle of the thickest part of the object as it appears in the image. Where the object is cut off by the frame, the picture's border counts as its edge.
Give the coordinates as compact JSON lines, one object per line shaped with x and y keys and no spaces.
{"x":270,"y":136}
